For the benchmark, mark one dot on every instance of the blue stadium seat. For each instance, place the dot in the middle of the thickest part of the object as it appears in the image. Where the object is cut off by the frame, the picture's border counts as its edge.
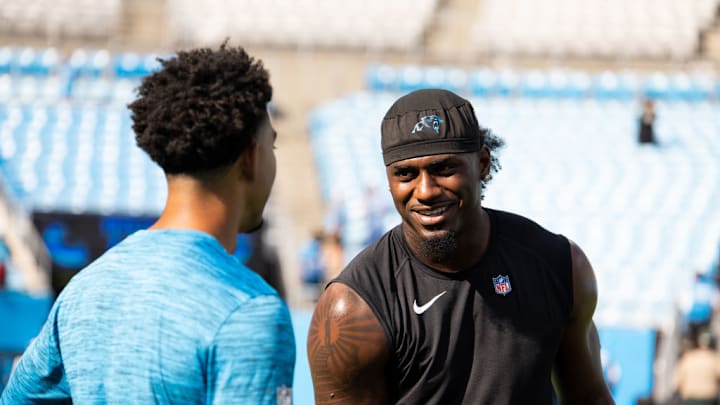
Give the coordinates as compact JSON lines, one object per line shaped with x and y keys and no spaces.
{"x":36,"y":61}
{"x":508,"y":81}
{"x":410,"y":78}
{"x":127,"y":65}
{"x":483,"y":82}
{"x":456,"y":80}
{"x":92,"y":63}
{"x":6,"y":56}
{"x":535,"y":84}
{"x":657,"y":86}
{"x":151,"y":63}
{"x":381,"y":78}
{"x":134,"y":65}
{"x":576,"y":85}
{"x":445,"y":78}
{"x":684,"y":87}
{"x":610,"y":85}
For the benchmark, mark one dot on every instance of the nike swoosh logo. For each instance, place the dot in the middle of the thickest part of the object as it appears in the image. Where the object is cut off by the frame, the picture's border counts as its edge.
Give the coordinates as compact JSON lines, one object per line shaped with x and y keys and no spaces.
{"x":420,"y":309}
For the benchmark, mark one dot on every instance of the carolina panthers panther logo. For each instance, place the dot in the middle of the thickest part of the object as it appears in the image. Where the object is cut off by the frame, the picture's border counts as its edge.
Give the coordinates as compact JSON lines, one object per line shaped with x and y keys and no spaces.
{"x":428,"y":121}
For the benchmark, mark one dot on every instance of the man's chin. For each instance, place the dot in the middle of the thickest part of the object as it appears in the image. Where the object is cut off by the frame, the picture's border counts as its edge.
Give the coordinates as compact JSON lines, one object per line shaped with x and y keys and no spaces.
{"x":436,"y":232}
{"x":438,"y":245}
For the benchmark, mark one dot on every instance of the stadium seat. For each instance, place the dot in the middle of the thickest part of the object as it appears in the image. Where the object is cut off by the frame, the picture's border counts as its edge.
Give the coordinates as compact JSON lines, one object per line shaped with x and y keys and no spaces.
{"x":381,"y":78}
{"x":483,"y":82}
{"x":6,"y":55}
{"x":37,"y":61}
{"x":61,"y":18}
{"x":611,"y":85}
{"x":611,"y":29}
{"x":92,"y":63}
{"x":311,"y":24}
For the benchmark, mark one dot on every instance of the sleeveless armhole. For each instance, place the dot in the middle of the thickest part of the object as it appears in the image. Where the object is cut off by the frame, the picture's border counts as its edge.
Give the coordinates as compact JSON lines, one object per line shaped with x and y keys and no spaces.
{"x":553,"y":248}
{"x":371,"y":274}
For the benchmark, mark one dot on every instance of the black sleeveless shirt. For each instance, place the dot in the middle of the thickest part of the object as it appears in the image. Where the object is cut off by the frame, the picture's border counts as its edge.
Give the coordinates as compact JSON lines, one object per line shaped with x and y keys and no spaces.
{"x":485,"y":335}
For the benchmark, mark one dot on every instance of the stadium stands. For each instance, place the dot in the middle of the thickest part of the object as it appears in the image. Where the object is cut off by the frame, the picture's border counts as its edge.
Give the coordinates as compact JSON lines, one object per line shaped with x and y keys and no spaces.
{"x":78,"y":158}
{"x":373,"y":24}
{"x":645,"y":216}
{"x":60,"y":18}
{"x":550,"y":83}
{"x":69,"y":146}
{"x":613,"y":28}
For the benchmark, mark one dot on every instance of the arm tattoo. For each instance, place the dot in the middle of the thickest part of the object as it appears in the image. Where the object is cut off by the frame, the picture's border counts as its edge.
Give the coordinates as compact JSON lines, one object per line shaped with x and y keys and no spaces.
{"x":338,"y":343}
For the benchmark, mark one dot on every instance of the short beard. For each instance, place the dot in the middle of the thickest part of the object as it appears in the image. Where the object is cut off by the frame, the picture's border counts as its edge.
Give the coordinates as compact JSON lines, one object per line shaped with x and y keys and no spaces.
{"x":440,"y":248}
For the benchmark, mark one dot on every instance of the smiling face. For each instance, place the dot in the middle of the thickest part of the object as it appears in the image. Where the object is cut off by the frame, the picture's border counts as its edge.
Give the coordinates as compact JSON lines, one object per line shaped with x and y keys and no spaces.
{"x":438,"y":198}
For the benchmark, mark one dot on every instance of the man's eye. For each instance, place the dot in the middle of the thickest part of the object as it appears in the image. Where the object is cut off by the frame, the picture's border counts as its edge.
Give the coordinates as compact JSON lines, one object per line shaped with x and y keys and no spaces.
{"x":446,"y":169}
{"x":405,"y":174}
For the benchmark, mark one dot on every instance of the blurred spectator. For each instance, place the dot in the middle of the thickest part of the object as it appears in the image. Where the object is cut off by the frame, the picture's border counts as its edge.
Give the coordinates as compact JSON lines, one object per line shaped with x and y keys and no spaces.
{"x":646,"y":133}
{"x":312,"y":266}
{"x":333,"y":256}
{"x":4,"y":262}
{"x":698,"y":373}
{"x":377,"y":208}
{"x":2,"y":276}
{"x":699,"y":304}
{"x":334,"y":218}
{"x":264,"y":260}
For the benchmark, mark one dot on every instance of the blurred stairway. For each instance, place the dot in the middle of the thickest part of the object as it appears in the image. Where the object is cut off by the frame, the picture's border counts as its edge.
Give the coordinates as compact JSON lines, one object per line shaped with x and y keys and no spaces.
{"x":143,"y":26}
{"x":449,"y":37}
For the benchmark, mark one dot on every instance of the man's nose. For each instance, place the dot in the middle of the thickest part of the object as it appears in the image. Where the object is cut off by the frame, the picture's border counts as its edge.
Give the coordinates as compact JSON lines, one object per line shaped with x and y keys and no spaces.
{"x":427,"y":188}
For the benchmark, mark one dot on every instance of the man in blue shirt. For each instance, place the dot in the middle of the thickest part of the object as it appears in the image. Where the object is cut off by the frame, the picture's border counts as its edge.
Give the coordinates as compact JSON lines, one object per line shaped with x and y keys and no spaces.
{"x":169,"y":315}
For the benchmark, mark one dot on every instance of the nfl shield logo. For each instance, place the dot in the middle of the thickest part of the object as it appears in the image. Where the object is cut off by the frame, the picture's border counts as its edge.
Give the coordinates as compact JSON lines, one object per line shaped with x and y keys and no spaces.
{"x":502,"y":285}
{"x":284,"y":395}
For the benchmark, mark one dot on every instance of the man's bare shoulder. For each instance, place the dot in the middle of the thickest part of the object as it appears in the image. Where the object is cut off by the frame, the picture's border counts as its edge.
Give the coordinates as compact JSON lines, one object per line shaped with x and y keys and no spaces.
{"x":347,"y":349}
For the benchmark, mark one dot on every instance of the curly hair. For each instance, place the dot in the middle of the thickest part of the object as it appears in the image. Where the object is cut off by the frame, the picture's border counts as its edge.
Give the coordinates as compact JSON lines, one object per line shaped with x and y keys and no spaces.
{"x":493,"y":143}
{"x":201,"y":109}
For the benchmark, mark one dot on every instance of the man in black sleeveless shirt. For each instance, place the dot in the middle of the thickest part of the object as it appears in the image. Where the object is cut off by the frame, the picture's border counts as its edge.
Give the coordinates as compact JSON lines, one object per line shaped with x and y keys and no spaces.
{"x":460,"y":304}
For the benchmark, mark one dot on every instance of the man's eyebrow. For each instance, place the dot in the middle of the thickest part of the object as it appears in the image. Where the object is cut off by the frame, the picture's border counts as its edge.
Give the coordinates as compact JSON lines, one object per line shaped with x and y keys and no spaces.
{"x":401,"y":167}
{"x":440,"y":162}
{"x":433,"y":164}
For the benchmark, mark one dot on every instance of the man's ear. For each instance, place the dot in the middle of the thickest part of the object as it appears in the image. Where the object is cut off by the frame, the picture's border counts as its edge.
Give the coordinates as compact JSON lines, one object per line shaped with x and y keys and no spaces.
{"x":248,"y":162}
{"x":484,"y":162}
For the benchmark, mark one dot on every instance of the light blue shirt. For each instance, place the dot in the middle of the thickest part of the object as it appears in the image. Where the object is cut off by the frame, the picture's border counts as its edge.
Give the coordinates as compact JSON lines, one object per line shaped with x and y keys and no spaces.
{"x":166,"y":316}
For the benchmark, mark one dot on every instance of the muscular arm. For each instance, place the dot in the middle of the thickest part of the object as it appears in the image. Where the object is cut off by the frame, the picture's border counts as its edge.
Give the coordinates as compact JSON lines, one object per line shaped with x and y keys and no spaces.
{"x":347,"y":350}
{"x":577,"y":374}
